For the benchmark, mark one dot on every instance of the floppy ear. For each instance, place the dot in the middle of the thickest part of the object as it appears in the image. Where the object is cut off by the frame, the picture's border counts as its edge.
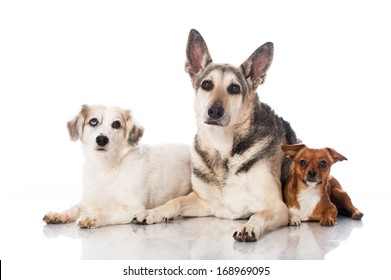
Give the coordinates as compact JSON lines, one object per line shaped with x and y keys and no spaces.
{"x":135,"y":134}
{"x":256,"y":66}
{"x":292,"y":150}
{"x":335,"y":156}
{"x":197,"y":55}
{"x":75,"y":126}
{"x":134,"y":130}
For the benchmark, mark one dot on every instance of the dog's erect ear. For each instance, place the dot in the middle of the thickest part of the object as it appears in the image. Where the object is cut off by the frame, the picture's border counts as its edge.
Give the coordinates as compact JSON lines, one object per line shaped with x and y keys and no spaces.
{"x":256,"y":66}
{"x":75,"y":126}
{"x":335,"y":156}
{"x":134,"y":130}
{"x":292,"y":150}
{"x":197,"y":54}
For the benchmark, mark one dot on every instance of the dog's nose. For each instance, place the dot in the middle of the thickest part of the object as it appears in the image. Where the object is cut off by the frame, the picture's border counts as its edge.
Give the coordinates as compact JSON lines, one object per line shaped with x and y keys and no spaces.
{"x":216,"y":111}
{"x":312,"y":173}
{"x":102,"y":140}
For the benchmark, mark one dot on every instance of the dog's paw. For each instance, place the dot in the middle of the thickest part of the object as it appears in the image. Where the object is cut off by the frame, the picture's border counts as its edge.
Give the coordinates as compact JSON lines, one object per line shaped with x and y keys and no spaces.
{"x":294,"y":221}
{"x":357,"y":215}
{"x":87,"y":221}
{"x":56,"y":218}
{"x":141,"y":217}
{"x":148,"y":217}
{"x":246,"y":233}
{"x":327,"y":221}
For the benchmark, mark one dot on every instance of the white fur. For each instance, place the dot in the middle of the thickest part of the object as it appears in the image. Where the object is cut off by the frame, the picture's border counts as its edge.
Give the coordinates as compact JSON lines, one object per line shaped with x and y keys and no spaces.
{"x":307,"y":199}
{"x":124,"y":178}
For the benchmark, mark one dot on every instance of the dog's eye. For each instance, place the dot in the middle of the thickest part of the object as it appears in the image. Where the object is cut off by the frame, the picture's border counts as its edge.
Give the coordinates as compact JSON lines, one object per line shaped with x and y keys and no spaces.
{"x":233,"y":89}
{"x":303,"y":163}
{"x":322,"y":164}
{"x":207,"y":85}
{"x":93,"y":122}
{"x":116,"y":124}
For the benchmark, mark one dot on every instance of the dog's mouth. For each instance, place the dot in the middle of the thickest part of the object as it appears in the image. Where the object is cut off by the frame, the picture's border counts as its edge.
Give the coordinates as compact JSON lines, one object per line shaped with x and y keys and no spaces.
{"x":312,"y":181}
{"x":223,"y":122}
{"x":213,"y":122}
{"x":101,"y":149}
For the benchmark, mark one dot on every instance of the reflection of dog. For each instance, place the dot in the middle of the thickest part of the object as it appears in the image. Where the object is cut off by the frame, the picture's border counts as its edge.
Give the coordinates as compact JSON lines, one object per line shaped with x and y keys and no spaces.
{"x":236,"y":156}
{"x":310,"y":193}
{"x":121,"y":177}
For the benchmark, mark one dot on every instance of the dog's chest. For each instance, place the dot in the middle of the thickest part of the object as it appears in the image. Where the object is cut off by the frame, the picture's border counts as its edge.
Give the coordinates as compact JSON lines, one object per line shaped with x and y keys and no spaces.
{"x":240,"y":195}
{"x":307,"y":199}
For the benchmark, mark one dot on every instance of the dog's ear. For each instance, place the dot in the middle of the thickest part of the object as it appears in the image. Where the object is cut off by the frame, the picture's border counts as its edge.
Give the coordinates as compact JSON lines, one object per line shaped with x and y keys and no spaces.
{"x":75,"y":126}
{"x":335,"y":156}
{"x":135,"y":131}
{"x":292,"y":150}
{"x":256,"y":66}
{"x":197,"y":55}
{"x":135,"y":134}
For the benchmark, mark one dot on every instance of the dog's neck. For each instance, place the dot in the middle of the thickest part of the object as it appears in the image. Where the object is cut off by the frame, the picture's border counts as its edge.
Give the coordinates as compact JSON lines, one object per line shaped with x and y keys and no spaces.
{"x":104,"y":160}
{"x":220,"y":138}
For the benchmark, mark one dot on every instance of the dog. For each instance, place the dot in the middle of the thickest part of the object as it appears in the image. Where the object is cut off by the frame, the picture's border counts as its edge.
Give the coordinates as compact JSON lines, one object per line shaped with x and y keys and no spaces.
{"x":121,"y":176}
{"x":310,"y":193}
{"x":237,"y":163}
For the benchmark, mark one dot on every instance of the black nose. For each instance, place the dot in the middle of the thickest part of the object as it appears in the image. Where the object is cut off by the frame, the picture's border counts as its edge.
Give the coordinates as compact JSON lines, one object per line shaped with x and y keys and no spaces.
{"x":102,"y":140}
{"x":216,"y":111}
{"x":312,"y":173}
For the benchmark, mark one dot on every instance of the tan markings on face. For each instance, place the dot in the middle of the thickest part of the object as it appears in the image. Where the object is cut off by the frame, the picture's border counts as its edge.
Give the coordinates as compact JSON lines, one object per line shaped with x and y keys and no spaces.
{"x":107,"y":121}
{"x":223,"y":82}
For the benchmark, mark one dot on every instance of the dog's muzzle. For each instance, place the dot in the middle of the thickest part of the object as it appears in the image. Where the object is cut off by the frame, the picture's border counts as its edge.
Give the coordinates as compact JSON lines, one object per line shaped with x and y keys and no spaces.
{"x":215,"y":115}
{"x":102,"y":140}
{"x":312,"y":178}
{"x":216,"y":111}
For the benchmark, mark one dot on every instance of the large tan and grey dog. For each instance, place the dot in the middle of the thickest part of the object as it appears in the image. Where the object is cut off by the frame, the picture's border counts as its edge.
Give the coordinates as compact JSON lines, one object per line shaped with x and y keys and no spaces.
{"x":122,"y":177}
{"x":237,"y":161}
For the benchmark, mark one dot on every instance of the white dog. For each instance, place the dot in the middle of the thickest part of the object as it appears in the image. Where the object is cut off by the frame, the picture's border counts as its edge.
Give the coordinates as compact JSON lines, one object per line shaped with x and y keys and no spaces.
{"x":121,"y":177}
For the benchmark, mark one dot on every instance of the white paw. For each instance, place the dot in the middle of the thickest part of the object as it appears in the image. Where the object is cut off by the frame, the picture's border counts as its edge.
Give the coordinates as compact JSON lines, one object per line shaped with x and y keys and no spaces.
{"x":294,"y":221}
{"x":247,"y":233}
{"x":87,"y":221}
{"x":56,"y":218}
{"x":148,"y":217}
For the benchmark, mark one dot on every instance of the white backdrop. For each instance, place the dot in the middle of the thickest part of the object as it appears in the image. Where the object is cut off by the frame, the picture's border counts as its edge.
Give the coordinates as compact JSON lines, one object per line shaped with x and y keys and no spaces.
{"x":329,"y":78}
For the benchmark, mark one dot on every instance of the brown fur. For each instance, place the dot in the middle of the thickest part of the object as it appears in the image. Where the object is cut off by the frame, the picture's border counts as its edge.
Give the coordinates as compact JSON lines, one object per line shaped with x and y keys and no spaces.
{"x":312,"y":167}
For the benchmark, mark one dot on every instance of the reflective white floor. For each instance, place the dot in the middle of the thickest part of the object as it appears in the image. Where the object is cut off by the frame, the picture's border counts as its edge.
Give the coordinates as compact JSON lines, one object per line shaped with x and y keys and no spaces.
{"x":204,"y":238}
{"x":26,"y":236}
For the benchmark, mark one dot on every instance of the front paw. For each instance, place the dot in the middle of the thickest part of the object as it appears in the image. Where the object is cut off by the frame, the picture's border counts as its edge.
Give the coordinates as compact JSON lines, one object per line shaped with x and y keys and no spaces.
{"x":148,"y":217}
{"x":294,"y":221}
{"x":327,"y":221}
{"x":56,"y":218}
{"x":87,"y":221}
{"x":246,"y":234}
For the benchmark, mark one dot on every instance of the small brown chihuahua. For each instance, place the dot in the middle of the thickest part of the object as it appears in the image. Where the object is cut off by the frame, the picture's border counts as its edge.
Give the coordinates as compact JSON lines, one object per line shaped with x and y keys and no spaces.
{"x":310,"y":193}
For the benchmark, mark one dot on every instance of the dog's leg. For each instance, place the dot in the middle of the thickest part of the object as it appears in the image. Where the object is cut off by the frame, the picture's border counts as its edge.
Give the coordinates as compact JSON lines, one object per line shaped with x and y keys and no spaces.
{"x":294,"y":220}
{"x":123,"y":214}
{"x":325,"y":212}
{"x":188,"y":206}
{"x":342,"y":200}
{"x":274,"y":217}
{"x":64,"y":217}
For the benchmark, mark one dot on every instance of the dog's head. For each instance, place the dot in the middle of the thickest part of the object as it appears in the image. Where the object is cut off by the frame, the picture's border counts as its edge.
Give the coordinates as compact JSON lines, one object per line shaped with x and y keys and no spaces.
{"x":224,"y":93}
{"x":105,"y":129}
{"x":312,"y":166}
